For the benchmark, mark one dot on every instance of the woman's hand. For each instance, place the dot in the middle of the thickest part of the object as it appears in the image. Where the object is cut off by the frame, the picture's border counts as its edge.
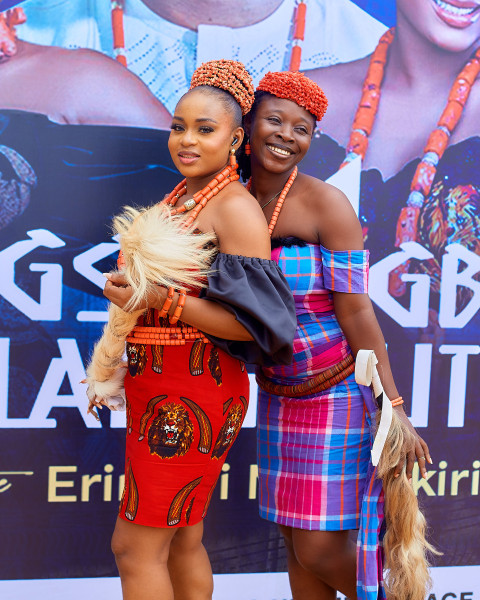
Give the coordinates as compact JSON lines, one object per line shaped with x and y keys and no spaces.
{"x":415,"y":449}
{"x":94,"y":403}
{"x":119,"y":292}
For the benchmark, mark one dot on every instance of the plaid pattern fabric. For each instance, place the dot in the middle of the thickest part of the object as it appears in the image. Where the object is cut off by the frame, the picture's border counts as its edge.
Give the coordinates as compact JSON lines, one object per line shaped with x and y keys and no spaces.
{"x":313,"y":457}
{"x":345,"y":271}
{"x":314,"y":452}
{"x":312,"y":273}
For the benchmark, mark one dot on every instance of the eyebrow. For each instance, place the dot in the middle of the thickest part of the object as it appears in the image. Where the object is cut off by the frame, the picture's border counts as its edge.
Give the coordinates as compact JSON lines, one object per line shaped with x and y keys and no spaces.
{"x":201,"y":120}
{"x":282,"y":113}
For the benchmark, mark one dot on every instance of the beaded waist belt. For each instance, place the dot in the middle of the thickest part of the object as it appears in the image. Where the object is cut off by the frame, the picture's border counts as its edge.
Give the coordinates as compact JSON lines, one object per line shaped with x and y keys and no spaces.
{"x":165,"y":336}
{"x":324,"y":380}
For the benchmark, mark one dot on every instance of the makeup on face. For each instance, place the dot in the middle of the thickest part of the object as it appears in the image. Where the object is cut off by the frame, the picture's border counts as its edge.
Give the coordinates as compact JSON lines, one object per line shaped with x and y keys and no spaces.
{"x":457,"y":13}
{"x":201,"y":135}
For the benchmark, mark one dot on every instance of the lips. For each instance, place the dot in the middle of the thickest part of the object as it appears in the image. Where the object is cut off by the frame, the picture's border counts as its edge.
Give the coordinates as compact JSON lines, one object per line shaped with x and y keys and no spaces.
{"x":188,"y":157}
{"x":280,"y":150}
{"x":457,"y":13}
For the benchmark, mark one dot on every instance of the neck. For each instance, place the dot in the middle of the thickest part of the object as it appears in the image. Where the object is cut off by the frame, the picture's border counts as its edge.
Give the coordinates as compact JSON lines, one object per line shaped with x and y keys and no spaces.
{"x":192,"y":13}
{"x":195,"y":184}
{"x":266,"y":184}
{"x":411,"y":56}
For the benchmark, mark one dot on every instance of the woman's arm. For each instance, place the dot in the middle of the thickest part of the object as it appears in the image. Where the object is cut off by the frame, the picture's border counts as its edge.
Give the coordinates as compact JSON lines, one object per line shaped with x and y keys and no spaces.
{"x":340,"y":230}
{"x":203,"y":314}
{"x":360,"y":326}
{"x":241,"y":230}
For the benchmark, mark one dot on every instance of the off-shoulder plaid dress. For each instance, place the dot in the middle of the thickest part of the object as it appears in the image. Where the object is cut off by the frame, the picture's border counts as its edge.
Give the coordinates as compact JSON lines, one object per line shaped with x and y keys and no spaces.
{"x":314,"y":452}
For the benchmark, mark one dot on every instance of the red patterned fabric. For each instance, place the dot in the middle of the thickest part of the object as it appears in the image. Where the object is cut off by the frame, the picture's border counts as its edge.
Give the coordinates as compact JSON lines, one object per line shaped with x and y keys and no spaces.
{"x":185,"y":407}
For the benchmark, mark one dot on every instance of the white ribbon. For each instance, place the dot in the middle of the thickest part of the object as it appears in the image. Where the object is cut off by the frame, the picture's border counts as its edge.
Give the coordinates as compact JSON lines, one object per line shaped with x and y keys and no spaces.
{"x":366,"y":374}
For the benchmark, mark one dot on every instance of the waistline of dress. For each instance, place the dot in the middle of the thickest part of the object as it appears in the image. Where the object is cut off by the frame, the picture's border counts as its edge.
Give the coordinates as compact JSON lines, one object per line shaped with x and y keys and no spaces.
{"x":318,"y":383}
{"x":165,"y":336}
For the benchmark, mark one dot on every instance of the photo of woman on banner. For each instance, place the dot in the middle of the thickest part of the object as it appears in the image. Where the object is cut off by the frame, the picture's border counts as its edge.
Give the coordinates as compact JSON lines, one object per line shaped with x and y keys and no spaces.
{"x":186,"y":384}
{"x":163,"y":42}
{"x":409,"y":111}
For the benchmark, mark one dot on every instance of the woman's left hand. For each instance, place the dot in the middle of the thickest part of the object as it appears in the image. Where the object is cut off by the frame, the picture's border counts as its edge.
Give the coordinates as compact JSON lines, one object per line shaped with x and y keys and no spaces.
{"x":119,"y":292}
{"x":415,"y":449}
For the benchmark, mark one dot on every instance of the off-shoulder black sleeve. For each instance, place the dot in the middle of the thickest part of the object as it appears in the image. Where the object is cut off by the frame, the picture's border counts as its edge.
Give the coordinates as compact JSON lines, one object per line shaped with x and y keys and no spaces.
{"x":256,"y":292}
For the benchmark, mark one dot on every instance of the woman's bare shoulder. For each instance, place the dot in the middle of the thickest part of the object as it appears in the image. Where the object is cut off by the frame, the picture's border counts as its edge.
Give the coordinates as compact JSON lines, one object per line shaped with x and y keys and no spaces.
{"x":240,"y":224}
{"x":319,"y":194}
{"x":94,"y":88}
{"x":237,"y":201}
{"x":332,"y":214}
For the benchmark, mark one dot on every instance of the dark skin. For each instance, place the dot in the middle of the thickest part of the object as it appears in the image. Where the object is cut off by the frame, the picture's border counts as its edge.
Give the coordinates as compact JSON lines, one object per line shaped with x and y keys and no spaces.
{"x":77,"y":87}
{"x":320,"y":562}
{"x":192,"y":14}
{"x":202,"y":132}
{"x":174,"y":563}
{"x":413,"y":94}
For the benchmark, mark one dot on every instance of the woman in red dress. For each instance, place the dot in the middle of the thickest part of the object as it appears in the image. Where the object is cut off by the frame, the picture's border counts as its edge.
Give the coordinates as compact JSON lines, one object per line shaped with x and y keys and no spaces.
{"x":186,"y":384}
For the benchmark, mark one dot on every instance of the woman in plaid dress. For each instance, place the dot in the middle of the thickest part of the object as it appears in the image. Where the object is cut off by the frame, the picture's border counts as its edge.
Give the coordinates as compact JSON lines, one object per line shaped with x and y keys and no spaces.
{"x":314,"y":441}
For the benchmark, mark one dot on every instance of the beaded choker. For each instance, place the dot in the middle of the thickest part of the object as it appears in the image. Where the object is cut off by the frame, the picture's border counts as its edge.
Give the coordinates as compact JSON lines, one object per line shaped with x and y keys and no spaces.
{"x":407,"y":224}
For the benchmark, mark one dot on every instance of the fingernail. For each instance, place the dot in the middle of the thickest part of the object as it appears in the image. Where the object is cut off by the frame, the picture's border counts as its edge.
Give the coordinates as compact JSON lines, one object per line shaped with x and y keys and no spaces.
{"x":424,"y":475}
{"x":430,"y":460}
{"x":409,"y":480}
{"x":107,"y":275}
{"x":397,"y":475}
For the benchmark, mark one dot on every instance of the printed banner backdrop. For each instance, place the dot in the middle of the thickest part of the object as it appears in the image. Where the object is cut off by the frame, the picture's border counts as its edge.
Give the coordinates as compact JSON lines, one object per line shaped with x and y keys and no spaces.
{"x":81,"y":136}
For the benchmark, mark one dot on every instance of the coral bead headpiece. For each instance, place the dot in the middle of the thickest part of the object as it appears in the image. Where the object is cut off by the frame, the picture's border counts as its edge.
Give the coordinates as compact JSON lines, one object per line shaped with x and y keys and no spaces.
{"x":295,"y":86}
{"x":228,"y":75}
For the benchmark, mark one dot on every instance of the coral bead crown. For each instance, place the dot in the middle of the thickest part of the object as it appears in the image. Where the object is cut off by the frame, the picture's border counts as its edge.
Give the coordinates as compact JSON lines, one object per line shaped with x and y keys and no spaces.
{"x":297,"y":87}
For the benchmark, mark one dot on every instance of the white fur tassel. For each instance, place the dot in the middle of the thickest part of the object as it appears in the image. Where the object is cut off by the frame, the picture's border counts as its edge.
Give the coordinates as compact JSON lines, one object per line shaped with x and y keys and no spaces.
{"x":158,"y":250}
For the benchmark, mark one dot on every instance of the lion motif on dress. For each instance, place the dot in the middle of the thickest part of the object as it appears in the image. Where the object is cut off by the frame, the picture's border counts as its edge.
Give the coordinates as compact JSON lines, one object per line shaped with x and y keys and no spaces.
{"x":229,"y":431}
{"x":171,"y":432}
{"x":137,"y":358}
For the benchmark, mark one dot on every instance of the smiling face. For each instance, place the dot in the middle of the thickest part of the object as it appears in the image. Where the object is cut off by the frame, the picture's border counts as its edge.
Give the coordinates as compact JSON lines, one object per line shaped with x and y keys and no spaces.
{"x":202,"y":134}
{"x":280,"y":133}
{"x":453,"y":25}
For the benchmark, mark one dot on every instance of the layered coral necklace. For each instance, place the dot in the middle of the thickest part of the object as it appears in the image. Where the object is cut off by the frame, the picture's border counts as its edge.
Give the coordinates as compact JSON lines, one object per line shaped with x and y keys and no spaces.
{"x":200,"y":199}
{"x":407,"y":224}
{"x":298,"y":34}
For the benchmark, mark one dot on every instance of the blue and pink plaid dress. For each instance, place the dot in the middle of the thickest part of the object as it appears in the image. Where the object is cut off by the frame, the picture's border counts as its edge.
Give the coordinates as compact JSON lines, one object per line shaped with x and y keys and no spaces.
{"x":314,"y":452}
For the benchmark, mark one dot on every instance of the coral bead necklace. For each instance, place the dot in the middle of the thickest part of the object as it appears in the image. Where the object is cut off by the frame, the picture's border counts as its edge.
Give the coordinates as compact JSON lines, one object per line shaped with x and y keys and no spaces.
{"x":298,"y":29}
{"x":194,"y":205}
{"x":201,"y":198}
{"x":280,"y":201}
{"x":407,"y":224}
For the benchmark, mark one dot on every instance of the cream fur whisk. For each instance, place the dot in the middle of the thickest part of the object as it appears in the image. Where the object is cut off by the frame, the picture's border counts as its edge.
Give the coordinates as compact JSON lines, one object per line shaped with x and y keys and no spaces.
{"x":157,"y":250}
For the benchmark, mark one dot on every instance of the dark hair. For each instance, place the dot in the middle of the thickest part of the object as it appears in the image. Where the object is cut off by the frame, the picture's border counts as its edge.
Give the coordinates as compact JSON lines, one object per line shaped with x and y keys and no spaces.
{"x":229,"y":102}
{"x":244,"y":167}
